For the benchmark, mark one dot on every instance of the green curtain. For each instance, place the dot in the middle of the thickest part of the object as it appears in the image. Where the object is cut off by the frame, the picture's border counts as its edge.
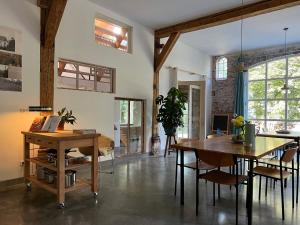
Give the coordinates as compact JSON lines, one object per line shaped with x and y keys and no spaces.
{"x":239,"y":99}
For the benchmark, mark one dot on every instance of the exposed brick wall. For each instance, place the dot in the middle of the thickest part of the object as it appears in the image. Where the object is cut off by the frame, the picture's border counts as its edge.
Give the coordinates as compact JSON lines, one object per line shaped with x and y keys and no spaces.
{"x":223,"y":90}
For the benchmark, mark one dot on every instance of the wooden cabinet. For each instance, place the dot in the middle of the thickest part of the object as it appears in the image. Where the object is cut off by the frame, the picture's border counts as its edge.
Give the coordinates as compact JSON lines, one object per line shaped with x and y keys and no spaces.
{"x":61,"y":141}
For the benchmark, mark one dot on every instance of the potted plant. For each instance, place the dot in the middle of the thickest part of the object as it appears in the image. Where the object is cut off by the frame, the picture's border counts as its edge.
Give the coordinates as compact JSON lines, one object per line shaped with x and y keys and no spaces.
{"x":66,"y":117}
{"x":170,"y":113}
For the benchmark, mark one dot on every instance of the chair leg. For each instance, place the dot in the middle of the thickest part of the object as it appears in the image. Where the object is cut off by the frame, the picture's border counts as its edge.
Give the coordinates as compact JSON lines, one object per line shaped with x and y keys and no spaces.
{"x":259,"y":189}
{"x":214,"y":194}
{"x":293,"y":190}
{"x":282,"y":197}
{"x":266,"y":190}
{"x":236,"y":204}
{"x":219,"y":191}
{"x":176,"y":172}
{"x":197,"y":191}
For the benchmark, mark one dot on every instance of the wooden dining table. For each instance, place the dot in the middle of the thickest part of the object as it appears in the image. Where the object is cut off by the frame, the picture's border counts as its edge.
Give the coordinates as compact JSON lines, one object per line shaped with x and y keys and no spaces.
{"x":263,"y":146}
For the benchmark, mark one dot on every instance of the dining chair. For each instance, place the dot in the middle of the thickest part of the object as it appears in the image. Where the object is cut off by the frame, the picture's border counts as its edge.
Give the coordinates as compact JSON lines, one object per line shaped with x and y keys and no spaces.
{"x":106,"y":147}
{"x":279,"y":174}
{"x":217,"y":176}
{"x":191,"y":165}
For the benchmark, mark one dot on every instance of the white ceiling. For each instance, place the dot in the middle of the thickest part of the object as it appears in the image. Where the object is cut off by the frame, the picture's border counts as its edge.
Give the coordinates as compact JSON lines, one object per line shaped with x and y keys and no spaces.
{"x":259,"y":32}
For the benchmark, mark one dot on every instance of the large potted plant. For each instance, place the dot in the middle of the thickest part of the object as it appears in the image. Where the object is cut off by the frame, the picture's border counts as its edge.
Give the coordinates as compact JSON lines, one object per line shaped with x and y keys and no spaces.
{"x":170,"y":112}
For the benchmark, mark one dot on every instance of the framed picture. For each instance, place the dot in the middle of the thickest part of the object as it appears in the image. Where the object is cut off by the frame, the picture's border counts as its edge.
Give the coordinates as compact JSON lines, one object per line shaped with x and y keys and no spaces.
{"x":10,"y":60}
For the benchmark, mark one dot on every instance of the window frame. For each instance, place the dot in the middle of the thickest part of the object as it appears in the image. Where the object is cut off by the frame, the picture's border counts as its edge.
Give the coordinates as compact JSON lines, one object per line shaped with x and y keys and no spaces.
{"x":77,"y":73}
{"x":286,"y":78}
{"x":116,"y":23}
{"x":218,"y":78}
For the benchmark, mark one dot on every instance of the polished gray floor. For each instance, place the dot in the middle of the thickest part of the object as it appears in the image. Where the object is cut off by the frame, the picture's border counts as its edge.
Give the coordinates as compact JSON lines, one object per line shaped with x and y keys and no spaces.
{"x":141,"y":193}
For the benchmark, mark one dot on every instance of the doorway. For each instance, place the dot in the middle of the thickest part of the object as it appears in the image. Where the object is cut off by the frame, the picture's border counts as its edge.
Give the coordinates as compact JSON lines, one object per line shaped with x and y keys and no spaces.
{"x":129,"y":126}
{"x":193,"y":115}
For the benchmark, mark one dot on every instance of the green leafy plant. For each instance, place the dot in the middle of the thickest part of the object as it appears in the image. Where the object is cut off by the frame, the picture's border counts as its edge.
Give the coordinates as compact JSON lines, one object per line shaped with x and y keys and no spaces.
{"x":66,"y":116}
{"x":170,"y":113}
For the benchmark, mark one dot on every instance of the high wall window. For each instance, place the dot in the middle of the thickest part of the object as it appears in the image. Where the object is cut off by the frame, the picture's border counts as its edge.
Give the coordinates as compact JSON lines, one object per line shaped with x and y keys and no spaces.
{"x":83,"y":76}
{"x":274,"y":94}
{"x":113,"y":34}
{"x":221,"y":68}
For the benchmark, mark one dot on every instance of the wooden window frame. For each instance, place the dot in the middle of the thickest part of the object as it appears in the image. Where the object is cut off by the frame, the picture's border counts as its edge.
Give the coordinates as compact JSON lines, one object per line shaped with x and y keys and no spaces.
{"x":116,"y":23}
{"x":94,"y":67}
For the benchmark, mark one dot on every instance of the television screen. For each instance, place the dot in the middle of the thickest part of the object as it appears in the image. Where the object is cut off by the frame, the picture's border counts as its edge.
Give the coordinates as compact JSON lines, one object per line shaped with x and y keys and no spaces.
{"x":220,"y":122}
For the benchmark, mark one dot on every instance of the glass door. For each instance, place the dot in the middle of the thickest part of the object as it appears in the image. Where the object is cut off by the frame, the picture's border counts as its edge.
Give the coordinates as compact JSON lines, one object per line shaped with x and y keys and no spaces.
{"x":130,"y":133}
{"x":195,"y":112}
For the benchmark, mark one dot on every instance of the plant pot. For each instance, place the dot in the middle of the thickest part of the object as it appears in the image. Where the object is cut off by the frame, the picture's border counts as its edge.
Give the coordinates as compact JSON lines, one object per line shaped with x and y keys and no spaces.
{"x":170,"y":131}
{"x":61,"y":125}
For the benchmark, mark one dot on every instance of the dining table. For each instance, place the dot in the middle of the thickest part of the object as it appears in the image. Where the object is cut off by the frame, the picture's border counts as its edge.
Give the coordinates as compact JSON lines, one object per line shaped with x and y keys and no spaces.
{"x":223,"y":144}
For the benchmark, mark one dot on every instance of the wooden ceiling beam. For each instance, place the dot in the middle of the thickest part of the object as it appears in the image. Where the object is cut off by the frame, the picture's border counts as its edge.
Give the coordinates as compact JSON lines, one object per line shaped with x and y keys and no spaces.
{"x":55,"y":14}
{"x":51,"y":14}
{"x":160,"y":58}
{"x":228,"y":16}
{"x":44,"y":4}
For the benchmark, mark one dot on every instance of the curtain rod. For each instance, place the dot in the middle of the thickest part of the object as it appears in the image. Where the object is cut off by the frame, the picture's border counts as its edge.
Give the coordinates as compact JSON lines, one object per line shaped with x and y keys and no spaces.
{"x":186,"y":71}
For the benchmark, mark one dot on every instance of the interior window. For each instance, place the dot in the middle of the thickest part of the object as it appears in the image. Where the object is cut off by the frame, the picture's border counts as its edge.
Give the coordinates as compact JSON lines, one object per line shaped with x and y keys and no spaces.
{"x":221,"y":68}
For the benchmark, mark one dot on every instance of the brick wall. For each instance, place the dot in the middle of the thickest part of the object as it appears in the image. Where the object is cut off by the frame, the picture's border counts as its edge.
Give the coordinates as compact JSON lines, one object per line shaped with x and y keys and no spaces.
{"x":223,"y":90}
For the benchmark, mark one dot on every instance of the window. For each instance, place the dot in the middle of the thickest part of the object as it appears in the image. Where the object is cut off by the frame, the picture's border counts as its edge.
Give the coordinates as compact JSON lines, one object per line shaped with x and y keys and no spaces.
{"x":271,"y":106}
{"x":221,"y":68}
{"x":83,"y":76}
{"x":113,"y":34}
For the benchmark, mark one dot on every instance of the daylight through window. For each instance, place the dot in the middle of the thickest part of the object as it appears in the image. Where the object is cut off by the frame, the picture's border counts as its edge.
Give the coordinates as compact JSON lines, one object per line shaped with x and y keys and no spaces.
{"x":221,"y":68}
{"x":271,"y":106}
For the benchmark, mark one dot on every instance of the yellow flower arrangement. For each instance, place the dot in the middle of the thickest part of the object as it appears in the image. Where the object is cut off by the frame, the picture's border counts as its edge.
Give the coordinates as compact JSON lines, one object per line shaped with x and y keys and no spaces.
{"x":238,"y":121}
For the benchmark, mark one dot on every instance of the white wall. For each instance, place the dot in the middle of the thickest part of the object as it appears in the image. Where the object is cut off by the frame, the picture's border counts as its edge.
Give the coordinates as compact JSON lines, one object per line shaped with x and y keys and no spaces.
{"x":186,"y":58}
{"x":23,"y":16}
{"x":75,"y":40}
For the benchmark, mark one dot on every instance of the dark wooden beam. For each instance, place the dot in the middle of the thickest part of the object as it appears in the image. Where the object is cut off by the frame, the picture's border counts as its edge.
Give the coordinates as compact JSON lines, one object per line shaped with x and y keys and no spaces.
{"x":50,"y":20}
{"x":43,"y":3}
{"x":55,"y":14}
{"x":228,"y":16}
{"x":160,"y":59}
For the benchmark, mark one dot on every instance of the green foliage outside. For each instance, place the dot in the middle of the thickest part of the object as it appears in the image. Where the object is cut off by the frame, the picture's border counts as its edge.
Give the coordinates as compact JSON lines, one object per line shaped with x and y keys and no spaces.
{"x":276,"y":72}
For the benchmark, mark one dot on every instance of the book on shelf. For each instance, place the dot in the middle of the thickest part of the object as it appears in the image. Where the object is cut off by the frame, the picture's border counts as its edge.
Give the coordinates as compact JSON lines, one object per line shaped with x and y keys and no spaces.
{"x":85,"y":131}
{"x":45,"y":124}
{"x":37,"y":124}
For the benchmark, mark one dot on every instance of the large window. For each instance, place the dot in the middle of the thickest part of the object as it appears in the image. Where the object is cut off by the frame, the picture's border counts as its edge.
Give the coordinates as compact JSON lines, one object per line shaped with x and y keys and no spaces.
{"x":83,"y":76}
{"x":274,"y":94}
{"x":113,"y":34}
{"x":221,"y":68}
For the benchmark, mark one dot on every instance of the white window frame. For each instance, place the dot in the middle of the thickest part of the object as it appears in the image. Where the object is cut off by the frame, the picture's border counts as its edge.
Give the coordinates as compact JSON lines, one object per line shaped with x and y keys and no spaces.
{"x":286,"y":78}
{"x":218,"y":69}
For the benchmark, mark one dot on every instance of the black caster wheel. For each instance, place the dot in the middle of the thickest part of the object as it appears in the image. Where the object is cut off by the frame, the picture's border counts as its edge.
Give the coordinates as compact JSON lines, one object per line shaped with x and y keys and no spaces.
{"x":95,"y":194}
{"x":28,"y":187}
{"x":61,"y":205}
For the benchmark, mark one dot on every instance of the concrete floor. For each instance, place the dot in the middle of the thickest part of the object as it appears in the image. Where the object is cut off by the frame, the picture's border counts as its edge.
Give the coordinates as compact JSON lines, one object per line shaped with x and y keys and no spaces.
{"x":141,"y":193}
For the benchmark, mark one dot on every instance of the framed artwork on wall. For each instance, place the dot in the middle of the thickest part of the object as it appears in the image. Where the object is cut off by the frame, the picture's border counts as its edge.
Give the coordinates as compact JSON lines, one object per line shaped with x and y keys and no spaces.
{"x":10,"y":60}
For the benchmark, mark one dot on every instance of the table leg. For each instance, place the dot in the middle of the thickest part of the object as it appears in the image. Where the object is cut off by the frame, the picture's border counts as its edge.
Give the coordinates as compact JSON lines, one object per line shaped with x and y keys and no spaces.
{"x":95,"y":167}
{"x":61,"y":176}
{"x":26,"y":162}
{"x":182,"y":177}
{"x":250,"y":193}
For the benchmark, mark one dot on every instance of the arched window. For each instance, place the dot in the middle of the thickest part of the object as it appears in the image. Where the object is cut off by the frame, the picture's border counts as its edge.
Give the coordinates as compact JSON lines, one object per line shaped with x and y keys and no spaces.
{"x":221,"y":68}
{"x":274,"y":94}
